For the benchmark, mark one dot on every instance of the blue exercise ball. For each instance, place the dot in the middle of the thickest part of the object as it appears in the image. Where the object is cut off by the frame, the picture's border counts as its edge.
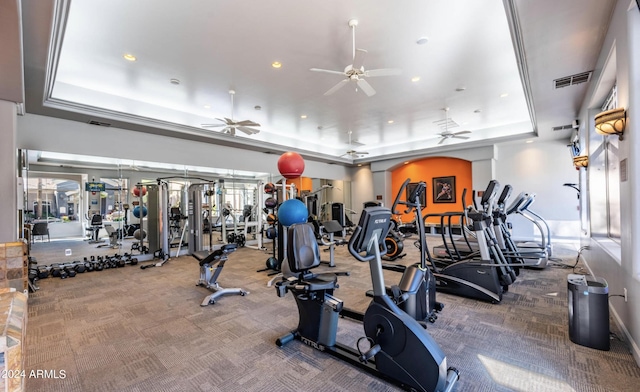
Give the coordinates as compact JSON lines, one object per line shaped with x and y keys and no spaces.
{"x":136,"y":211}
{"x":292,"y":211}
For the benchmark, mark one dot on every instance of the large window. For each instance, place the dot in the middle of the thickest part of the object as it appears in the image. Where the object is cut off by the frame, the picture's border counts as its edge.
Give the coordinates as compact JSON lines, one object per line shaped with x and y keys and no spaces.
{"x":605,"y":179}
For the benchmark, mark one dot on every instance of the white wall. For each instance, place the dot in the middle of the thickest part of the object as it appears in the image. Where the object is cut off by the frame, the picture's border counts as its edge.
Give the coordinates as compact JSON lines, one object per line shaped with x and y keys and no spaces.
{"x":361,"y":188}
{"x":56,"y":135}
{"x":619,"y":263}
{"x":541,"y":168}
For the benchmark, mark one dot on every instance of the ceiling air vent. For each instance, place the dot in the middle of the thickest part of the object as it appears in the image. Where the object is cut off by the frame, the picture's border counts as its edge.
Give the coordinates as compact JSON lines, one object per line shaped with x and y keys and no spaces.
{"x":562,"y":127}
{"x":573,"y":79}
{"x":99,"y":123}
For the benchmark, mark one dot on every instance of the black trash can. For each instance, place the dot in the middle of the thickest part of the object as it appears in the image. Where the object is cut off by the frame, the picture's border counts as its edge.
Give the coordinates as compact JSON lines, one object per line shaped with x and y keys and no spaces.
{"x":588,"y":311}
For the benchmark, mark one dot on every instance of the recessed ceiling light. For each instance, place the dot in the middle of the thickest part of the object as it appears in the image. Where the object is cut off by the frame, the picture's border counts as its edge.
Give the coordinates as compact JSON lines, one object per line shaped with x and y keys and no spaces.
{"x":174,"y":81}
{"x":459,"y":89}
{"x":406,"y":162}
{"x":503,"y":95}
{"x":359,"y":164}
{"x":129,"y":57}
{"x":276,"y":64}
{"x":257,"y":107}
{"x":529,"y":141}
{"x":415,"y":79}
{"x":303,"y":116}
{"x":207,"y":106}
{"x":422,"y":40}
{"x":477,"y":111}
{"x":390,"y":122}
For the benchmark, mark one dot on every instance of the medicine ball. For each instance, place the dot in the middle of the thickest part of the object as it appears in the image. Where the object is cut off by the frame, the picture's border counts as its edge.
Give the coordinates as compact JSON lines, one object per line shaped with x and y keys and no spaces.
{"x":271,"y":202}
{"x":271,"y":219}
{"x":272,"y":263}
{"x":272,"y":233}
{"x":269,"y":188}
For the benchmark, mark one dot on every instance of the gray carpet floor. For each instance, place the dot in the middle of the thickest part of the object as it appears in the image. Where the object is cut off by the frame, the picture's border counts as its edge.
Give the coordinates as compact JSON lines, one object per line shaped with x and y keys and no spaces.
{"x":129,"y":329}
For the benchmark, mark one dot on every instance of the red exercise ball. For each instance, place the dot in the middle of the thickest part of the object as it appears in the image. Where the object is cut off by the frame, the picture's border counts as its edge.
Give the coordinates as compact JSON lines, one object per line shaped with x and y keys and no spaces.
{"x":136,"y":191}
{"x":290,"y":165}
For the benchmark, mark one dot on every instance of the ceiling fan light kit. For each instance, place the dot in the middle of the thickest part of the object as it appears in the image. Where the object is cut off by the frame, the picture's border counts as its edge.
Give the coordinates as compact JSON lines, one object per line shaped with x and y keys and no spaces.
{"x":448,"y":134}
{"x":353,"y":153}
{"x":355,"y":72}
{"x":230,"y":125}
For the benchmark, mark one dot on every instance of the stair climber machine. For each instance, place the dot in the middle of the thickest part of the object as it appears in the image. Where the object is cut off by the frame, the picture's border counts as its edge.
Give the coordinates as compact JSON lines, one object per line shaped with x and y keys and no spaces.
{"x":400,"y":350}
{"x":484,"y":275}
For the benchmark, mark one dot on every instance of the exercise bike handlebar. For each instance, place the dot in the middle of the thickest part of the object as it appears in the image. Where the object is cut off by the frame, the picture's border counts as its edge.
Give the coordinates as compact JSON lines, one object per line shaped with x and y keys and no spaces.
{"x":353,"y":251}
{"x":413,"y":197}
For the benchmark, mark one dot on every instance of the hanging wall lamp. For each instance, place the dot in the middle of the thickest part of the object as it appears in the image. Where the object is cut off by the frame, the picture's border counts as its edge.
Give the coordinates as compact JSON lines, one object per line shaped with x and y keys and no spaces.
{"x":611,"y":122}
{"x":581,"y":161}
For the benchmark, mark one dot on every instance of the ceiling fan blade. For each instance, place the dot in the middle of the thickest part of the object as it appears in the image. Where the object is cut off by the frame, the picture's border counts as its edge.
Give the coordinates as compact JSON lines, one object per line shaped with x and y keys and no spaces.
{"x":366,"y":87}
{"x":361,"y":152}
{"x":327,"y":71}
{"x":358,"y":59}
{"x":248,"y":123}
{"x":247,"y":130}
{"x":223,"y":120}
{"x":460,"y":137}
{"x":228,"y":121}
{"x":214,"y":125}
{"x":382,"y":72}
{"x":337,"y":87}
{"x":442,"y":140}
{"x":462,"y":132}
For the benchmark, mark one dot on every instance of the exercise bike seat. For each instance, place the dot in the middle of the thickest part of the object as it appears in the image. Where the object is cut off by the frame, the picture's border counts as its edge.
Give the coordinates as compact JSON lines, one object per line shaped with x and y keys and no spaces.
{"x":303,"y":255}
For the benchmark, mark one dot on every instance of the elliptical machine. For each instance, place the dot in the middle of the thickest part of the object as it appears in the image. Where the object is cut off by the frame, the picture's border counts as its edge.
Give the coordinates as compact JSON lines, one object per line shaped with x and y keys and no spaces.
{"x":415,"y":294}
{"x":401,"y":350}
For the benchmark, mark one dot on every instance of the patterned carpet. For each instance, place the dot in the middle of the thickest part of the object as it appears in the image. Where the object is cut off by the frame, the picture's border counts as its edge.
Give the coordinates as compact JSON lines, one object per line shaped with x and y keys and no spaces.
{"x":128,"y":329}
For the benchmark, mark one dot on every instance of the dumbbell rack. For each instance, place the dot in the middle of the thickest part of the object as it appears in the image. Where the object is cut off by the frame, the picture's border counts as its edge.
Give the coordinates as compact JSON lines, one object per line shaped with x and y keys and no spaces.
{"x":70,"y":270}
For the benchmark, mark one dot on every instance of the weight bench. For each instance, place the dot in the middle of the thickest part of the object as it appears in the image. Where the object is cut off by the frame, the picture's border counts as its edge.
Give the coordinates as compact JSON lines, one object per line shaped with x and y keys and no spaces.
{"x":114,"y":236}
{"x":211,"y":265}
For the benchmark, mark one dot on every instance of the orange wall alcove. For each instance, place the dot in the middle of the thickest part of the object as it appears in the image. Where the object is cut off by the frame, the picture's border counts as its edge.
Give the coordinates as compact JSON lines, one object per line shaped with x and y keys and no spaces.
{"x":426,"y":170}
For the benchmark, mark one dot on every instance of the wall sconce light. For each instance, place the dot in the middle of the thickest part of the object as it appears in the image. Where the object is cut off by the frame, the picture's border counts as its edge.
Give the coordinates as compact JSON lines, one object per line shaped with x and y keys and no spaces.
{"x":581,"y":161}
{"x":611,"y":122}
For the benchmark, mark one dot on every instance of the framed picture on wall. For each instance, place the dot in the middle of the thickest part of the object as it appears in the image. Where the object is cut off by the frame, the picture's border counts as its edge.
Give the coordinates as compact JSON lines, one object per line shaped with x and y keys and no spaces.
{"x":444,"y":189}
{"x":423,"y":196}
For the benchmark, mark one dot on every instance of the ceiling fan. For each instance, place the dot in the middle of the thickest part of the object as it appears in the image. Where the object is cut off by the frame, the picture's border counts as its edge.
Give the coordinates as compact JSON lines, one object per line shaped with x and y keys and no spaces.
{"x":353,"y":153}
{"x":230,"y":125}
{"x":447,"y":134}
{"x":355,"y":71}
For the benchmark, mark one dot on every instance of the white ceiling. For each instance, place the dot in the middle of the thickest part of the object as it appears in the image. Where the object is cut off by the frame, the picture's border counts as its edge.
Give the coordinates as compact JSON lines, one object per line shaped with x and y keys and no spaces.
{"x":212,"y":46}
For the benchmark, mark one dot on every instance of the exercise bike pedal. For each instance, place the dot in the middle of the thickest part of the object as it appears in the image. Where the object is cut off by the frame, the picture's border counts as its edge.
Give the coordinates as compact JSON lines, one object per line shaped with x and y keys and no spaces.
{"x":365,"y":357}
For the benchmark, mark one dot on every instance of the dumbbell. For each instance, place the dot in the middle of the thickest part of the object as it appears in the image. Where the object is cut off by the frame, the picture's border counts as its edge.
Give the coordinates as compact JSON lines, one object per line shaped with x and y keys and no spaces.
{"x":55,"y":270}
{"x":79,"y":267}
{"x":43,"y":271}
{"x":71,"y":272}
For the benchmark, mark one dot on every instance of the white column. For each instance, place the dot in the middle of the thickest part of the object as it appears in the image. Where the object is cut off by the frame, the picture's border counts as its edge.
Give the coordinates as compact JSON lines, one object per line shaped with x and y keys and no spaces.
{"x":8,"y":180}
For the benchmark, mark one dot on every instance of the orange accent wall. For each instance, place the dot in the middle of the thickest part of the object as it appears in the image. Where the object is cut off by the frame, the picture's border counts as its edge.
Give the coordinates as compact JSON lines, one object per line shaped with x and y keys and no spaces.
{"x":427,"y":169}
{"x":302,"y":184}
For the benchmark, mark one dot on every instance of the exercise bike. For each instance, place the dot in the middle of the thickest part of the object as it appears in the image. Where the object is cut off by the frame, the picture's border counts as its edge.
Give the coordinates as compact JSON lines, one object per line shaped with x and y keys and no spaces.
{"x":401,"y":351}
